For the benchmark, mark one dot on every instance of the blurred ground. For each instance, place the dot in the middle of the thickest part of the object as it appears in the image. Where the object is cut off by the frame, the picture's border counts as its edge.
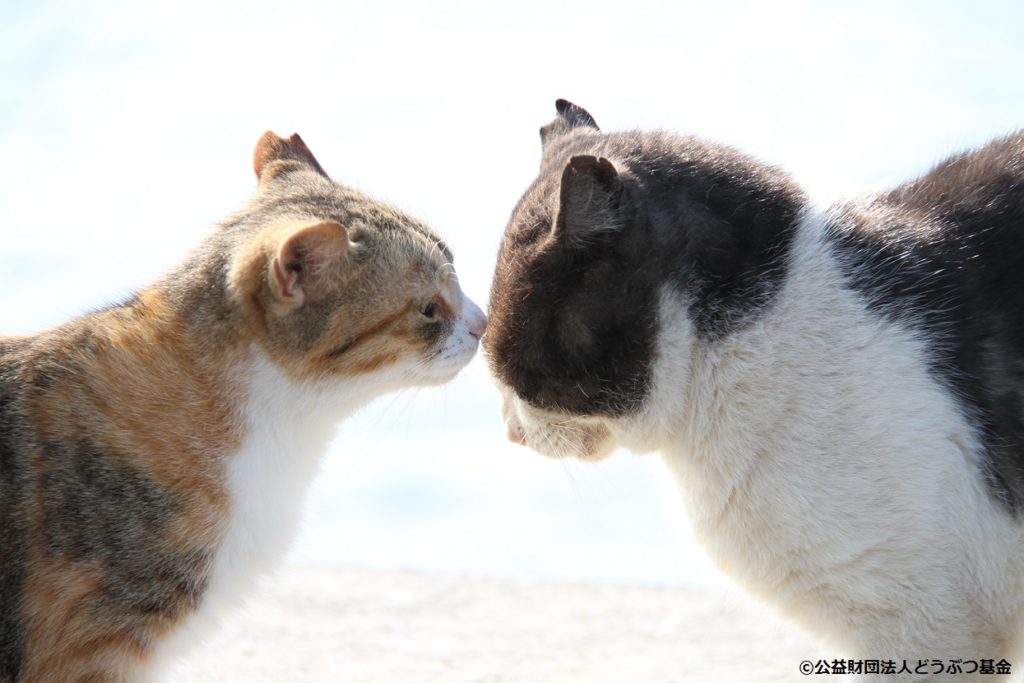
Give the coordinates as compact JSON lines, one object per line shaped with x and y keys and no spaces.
{"x":348,"y":626}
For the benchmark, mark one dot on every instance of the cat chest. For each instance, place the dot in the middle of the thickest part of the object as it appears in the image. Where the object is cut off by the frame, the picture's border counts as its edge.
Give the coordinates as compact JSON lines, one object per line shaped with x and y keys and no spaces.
{"x":267,"y":481}
{"x":268,"y":476}
{"x":833,"y":514}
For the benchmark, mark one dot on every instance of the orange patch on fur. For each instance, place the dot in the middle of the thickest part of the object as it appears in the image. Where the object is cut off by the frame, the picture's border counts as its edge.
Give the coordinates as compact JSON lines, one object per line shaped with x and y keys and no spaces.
{"x":370,"y":332}
{"x":365,"y":350}
{"x":169,"y":402}
{"x":143,"y":392}
{"x":63,"y":640}
{"x":373,"y":363}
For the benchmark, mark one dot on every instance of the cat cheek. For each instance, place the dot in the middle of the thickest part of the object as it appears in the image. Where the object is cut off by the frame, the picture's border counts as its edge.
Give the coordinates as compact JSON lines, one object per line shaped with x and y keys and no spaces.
{"x":457,"y":349}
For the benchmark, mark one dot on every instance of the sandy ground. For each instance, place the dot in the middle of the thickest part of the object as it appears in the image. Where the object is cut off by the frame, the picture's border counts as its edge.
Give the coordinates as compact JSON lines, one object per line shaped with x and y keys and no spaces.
{"x":348,"y":626}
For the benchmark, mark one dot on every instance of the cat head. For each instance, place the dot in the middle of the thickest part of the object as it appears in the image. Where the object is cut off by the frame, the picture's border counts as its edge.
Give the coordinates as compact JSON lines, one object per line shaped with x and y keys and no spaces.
{"x":617,"y":234}
{"x":334,"y":284}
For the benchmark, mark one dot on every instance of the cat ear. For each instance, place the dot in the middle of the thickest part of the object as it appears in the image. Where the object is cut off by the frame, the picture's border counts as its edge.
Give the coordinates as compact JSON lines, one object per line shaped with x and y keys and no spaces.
{"x":302,"y":260}
{"x":569,"y":116}
{"x":590,"y":200}
{"x":271,"y":148}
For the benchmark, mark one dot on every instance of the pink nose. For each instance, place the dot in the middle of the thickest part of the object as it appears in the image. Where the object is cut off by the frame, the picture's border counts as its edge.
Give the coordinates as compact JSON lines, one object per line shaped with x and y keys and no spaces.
{"x":478,"y":327}
{"x":516,"y":437}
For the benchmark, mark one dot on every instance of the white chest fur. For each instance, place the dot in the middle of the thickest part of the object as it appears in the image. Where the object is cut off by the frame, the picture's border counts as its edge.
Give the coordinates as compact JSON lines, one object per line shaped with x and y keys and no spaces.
{"x":287,"y":427}
{"x":825,"y":468}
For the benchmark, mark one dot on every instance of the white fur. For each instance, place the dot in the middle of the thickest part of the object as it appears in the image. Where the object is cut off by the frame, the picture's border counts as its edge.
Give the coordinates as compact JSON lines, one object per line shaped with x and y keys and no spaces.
{"x":828,"y":472}
{"x":288,"y":424}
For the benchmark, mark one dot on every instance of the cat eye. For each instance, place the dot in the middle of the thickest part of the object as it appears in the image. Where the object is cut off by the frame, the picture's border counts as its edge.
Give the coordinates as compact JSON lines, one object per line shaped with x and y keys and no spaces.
{"x":430,"y":311}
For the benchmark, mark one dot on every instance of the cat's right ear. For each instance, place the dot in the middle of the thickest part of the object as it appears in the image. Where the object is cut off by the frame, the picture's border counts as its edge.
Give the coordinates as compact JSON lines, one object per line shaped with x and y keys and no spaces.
{"x":304,"y":259}
{"x":570,"y":116}
{"x":289,"y":266}
{"x":274,"y":156}
{"x":590,"y":201}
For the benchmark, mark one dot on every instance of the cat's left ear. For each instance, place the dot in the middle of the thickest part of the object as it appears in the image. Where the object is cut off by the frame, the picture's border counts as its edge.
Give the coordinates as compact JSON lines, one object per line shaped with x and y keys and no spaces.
{"x":570,"y":116}
{"x":590,"y":201}
{"x":293,"y":151}
{"x":304,"y":260}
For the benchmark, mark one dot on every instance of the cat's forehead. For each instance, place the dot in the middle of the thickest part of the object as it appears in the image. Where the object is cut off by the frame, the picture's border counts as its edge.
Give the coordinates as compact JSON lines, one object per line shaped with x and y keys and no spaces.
{"x":379,"y":228}
{"x":308,"y":194}
{"x":387,"y":224}
{"x":404,"y":246}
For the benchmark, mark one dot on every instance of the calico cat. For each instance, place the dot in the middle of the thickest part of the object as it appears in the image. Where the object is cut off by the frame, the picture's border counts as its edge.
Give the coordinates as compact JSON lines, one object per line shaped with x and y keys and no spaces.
{"x":839,"y":392}
{"x":154,"y":455}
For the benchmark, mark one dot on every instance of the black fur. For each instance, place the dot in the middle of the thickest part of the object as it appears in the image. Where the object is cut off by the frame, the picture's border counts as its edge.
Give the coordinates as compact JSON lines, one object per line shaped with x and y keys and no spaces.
{"x":569,"y":116}
{"x":574,"y":301}
{"x":944,"y":254}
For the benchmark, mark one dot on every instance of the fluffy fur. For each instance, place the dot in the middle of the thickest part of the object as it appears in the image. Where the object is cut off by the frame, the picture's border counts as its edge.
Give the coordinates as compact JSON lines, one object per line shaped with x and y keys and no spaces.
{"x":154,"y":455}
{"x":838,"y":392}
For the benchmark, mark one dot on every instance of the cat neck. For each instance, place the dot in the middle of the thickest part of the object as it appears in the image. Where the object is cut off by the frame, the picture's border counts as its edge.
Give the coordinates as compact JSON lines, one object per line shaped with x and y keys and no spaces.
{"x":187,"y":368}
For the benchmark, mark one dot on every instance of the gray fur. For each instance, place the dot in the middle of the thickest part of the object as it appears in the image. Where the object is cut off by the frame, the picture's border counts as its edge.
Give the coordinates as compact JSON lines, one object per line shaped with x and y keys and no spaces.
{"x":13,"y":532}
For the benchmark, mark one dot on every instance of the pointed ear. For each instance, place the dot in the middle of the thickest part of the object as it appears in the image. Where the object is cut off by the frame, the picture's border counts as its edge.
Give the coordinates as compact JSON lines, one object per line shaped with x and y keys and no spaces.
{"x":302,"y":262}
{"x":569,"y":116}
{"x":271,"y":148}
{"x":590,"y":203}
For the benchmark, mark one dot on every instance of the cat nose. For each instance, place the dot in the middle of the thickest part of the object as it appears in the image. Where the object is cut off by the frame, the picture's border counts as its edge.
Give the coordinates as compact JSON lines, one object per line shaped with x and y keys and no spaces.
{"x":478,"y":327}
{"x":476,"y":321}
{"x":516,"y":436}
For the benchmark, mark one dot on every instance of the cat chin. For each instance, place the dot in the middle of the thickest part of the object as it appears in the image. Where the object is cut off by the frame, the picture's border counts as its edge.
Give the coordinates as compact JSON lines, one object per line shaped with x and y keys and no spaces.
{"x":443,"y":370}
{"x":437,"y":379}
{"x":555,"y":435}
{"x":556,"y":442}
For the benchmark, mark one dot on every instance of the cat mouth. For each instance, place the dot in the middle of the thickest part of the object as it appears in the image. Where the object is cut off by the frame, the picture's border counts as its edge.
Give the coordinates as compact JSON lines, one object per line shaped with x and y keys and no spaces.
{"x":590,"y":444}
{"x":553,"y":435}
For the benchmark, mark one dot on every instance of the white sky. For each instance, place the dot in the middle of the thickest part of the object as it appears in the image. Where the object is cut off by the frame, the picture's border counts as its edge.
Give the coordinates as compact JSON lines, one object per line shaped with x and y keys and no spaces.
{"x":127,"y":128}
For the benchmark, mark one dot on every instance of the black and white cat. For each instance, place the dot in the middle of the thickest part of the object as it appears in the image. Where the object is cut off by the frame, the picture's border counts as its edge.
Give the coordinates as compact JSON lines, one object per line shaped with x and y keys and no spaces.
{"x":839,"y":391}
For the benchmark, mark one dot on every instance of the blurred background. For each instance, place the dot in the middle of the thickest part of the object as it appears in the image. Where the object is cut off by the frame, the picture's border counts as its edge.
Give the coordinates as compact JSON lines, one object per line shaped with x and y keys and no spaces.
{"x":127,"y":129}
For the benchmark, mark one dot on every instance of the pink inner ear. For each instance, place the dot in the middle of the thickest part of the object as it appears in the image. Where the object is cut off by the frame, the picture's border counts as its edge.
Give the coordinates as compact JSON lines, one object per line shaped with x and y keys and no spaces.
{"x":301,"y":255}
{"x":272,"y":147}
{"x":286,"y":279}
{"x":269,"y":148}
